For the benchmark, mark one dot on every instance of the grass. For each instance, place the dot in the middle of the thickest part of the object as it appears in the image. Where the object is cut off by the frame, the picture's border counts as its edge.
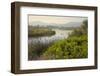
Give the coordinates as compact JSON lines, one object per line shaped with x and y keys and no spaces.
{"x":37,"y":32}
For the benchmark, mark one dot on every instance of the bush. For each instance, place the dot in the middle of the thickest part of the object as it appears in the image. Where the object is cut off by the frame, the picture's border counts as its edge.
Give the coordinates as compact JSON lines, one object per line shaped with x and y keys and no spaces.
{"x":75,"y":46}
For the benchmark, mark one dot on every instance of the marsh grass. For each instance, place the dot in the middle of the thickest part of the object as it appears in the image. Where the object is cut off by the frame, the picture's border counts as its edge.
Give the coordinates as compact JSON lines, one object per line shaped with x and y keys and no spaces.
{"x":37,"y":32}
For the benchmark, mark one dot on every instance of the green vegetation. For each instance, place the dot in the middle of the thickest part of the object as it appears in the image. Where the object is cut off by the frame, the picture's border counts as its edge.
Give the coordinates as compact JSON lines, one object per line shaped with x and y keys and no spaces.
{"x":36,"y":50}
{"x":75,"y":46}
{"x":83,"y":30}
{"x":37,"y":32}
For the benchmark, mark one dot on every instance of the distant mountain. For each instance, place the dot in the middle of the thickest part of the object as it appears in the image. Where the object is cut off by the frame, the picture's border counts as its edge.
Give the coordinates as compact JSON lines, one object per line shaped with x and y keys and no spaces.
{"x":35,"y":23}
{"x":43,"y":24}
{"x":72,"y":24}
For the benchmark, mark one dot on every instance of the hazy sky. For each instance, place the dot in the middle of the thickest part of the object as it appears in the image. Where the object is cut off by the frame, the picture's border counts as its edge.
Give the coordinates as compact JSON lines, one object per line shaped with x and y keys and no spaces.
{"x":54,"y":19}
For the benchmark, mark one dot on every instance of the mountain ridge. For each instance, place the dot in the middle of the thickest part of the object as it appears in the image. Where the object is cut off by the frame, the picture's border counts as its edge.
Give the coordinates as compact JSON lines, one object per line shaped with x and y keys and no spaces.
{"x":43,"y":24}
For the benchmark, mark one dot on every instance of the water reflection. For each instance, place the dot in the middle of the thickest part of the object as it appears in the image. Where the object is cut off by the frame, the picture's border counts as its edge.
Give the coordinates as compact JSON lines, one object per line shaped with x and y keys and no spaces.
{"x":60,"y":34}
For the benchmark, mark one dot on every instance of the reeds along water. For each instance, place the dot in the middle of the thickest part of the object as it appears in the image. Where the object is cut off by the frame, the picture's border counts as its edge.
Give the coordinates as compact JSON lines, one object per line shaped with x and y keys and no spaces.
{"x":36,"y":49}
{"x":37,"y":45}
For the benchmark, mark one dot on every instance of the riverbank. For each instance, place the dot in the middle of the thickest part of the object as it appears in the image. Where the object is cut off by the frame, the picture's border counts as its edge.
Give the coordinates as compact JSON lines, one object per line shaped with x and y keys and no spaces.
{"x":38,"y":32}
{"x":38,"y":45}
{"x":74,"y":47}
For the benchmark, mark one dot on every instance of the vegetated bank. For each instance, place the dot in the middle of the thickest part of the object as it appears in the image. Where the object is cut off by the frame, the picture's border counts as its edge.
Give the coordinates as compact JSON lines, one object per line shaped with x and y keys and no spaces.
{"x":37,"y":32}
{"x":75,"y":46}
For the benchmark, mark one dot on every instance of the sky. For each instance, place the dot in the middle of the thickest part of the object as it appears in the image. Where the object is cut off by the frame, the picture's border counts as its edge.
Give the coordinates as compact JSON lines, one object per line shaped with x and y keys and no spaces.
{"x":54,"y":19}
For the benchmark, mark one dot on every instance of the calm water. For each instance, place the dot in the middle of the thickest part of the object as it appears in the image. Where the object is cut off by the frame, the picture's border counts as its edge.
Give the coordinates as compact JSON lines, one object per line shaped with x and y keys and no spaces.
{"x":60,"y":34}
